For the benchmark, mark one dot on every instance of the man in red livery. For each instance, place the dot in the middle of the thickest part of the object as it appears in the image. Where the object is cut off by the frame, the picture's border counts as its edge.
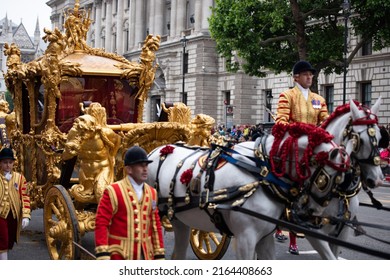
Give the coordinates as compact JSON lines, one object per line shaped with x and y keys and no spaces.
{"x":300,"y":104}
{"x":127,"y":220}
{"x":14,"y":203}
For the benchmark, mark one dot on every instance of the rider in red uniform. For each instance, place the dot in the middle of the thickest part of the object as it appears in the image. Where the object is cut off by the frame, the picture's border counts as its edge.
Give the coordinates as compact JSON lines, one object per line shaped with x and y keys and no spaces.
{"x":300,"y":104}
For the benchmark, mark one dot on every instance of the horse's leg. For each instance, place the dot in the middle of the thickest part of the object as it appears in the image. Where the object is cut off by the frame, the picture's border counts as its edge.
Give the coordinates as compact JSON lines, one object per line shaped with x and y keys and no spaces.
{"x":346,"y":233}
{"x":322,"y":247}
{"x":265,"y":248}
{"x":244,"y":246}
{"x":182,"y":240}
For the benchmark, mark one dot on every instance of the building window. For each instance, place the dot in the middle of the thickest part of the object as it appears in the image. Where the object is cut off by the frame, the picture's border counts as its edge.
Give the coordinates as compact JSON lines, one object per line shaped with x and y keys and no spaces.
{"x":185,"y":64}
{"x":366,"y":93}
{"x":329,"y":97}
{"x":184,"y":98}
{"x":367,"y":48}
{"x":127,"y":36}
{"x":227,"y":97}
{"x":61,"y":23}
{"x":103,"y":41}
{"x":268,"y":105}
{"x":114,"y":43}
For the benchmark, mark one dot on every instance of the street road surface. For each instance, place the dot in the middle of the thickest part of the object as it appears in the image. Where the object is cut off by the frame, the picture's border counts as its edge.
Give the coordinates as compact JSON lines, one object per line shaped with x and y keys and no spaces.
{"x":32,"y":245}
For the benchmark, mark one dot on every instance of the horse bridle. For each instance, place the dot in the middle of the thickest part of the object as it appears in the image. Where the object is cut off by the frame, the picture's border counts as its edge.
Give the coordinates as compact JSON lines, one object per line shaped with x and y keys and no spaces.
{"x":344,"y":191}
{"x":349,"y":134}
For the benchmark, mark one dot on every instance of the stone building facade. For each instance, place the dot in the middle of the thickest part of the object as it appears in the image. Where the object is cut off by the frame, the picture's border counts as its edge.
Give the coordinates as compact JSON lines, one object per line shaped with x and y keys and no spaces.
{"x":194,"y":72}
{"x":30,"y":47}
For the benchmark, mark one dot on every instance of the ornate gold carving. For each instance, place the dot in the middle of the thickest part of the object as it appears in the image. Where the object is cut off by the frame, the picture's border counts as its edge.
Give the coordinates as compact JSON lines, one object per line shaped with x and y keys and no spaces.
{"x":77,"y":24}
{"x":179,"y":113}
{"x":96,"y":146}
{"x":86,"y":220}
{"x":40,"y":146}
{"x":201,"y":130}
{"x":143,"y":75}
{"x":151,"y":135}
{"x":13,"y":56}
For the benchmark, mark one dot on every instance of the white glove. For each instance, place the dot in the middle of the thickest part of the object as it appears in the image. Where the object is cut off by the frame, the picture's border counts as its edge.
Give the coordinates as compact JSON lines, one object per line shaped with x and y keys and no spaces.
{"x":25,"y":222}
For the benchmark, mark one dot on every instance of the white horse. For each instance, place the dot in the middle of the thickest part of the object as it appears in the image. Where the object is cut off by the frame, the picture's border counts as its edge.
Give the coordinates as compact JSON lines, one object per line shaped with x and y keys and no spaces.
{"x":351,"y":121}
{"x":236,"y":182}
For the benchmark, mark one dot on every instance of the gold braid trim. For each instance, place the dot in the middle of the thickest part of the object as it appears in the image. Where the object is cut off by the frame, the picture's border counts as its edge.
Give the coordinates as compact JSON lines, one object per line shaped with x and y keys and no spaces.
{"x":102,"y":253}
{"x":101,"y":249}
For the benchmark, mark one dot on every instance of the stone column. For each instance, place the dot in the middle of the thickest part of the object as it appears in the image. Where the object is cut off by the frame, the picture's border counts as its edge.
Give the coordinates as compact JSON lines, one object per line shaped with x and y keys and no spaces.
{"x":139,"y":22}
{"x":119,"y":27}
{"x":89,"y":8}
{"x":98,"y":24}
{"x":181,"y":17}
{"x":172,"y":31}
{"x":55,"y":22}
{"x":108,"y":45}
{"x":132,"y":13}
{"x":159,"y":17}
{"x":206,"y":13}
{"x":152,"y":12}
{"x":198,"y":15}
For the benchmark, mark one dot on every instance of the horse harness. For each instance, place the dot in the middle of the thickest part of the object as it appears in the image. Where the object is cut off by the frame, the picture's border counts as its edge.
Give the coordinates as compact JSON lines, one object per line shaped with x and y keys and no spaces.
{"x":352,"y":183}
{"x":209,"y":198}
{"x":348,"y":134}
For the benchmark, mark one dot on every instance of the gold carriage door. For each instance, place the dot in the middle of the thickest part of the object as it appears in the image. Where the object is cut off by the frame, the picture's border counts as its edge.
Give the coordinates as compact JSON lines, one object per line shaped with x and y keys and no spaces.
{"x":116,"y":95}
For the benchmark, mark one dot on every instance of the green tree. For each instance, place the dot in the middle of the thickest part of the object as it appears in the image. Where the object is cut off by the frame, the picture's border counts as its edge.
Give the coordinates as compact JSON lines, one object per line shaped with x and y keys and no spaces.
{"x":273,"y":34}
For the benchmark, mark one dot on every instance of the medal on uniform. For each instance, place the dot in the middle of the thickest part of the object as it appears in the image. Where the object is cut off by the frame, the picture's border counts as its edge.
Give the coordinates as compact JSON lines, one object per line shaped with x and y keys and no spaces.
{"x":316,"y":104}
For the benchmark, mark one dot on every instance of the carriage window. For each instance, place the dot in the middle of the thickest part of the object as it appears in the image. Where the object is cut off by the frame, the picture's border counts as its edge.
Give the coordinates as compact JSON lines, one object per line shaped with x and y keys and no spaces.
{"x":40,"y":103}
{"x":116,"y":95}
{"x":156,"y":106}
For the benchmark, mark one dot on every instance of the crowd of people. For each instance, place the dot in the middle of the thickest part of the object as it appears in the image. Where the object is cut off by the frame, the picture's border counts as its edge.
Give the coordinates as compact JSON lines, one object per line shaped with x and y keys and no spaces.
{"x":239,"y":133}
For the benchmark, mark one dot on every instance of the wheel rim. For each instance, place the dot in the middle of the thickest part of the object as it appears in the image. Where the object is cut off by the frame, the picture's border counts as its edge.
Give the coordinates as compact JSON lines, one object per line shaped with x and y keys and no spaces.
{"x":60,"y":223}
{"x":208,"y":245}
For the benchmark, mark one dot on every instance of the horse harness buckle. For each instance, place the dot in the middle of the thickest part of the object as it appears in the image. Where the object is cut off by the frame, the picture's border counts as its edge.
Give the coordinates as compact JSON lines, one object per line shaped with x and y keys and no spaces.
{"x":264,"y":171}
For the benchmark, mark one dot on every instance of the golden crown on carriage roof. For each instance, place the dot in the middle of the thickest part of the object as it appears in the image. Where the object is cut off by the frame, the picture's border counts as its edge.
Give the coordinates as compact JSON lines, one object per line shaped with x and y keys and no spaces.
{"x":76,"y":26}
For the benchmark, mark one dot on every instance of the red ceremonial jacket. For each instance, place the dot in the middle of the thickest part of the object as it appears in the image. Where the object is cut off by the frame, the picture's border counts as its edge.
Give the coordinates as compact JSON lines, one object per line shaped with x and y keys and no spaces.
{"x":293,"y":107}
{"x":127,"y":228}
{"x":14,"y":199}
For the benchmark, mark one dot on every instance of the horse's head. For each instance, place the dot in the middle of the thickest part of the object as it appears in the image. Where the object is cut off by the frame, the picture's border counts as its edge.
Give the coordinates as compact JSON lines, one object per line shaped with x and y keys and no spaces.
{"x":331,"y":168}
{"x":355,"y":121}
{"x":363,"y":128}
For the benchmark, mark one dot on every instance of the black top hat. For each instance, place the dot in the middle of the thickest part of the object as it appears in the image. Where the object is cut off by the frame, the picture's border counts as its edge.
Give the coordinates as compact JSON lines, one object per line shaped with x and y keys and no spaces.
{"x":136,"y":155}
{"x":7,"y":153}
{"x":302,"y":66}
